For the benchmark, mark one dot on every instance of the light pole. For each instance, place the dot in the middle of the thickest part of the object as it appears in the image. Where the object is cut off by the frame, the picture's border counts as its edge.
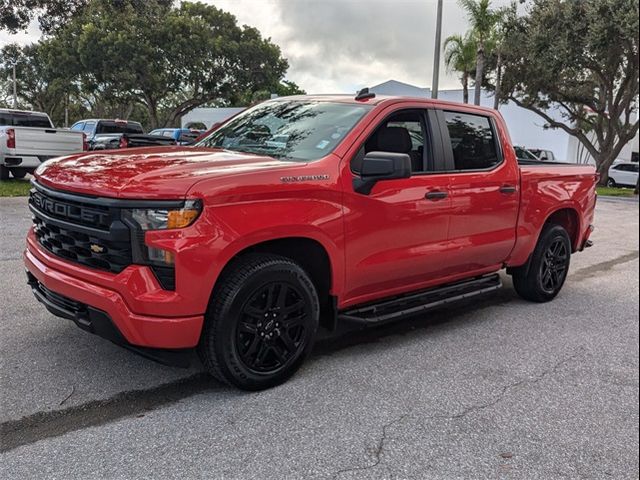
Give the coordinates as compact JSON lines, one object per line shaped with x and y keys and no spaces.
{"x":15,"y":89}
{"x":436,"y":53}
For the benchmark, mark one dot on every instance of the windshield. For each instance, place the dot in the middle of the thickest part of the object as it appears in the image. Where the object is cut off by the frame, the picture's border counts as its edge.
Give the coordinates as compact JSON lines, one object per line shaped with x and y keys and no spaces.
{"x":118,"y":127}
{"x":290,"y":130}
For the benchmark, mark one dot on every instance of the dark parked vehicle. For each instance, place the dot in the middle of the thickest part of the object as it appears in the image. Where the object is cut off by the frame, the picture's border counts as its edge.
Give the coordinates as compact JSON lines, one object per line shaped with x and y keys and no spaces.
{"x":104,"y":134}
{"x":182,"y":136}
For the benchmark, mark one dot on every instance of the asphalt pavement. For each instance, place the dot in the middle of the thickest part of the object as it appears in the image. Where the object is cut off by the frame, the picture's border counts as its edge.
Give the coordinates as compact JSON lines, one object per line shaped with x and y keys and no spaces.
{"x":493,"y":388}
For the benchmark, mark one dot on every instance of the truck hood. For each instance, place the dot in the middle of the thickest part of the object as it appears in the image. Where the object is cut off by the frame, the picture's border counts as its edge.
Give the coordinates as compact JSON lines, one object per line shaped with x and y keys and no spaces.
{"x":150,"y":173}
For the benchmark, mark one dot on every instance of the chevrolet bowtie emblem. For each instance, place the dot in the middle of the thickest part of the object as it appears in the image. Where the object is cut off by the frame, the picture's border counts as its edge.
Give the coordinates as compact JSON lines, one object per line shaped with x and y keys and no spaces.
{"x":96,"y":248}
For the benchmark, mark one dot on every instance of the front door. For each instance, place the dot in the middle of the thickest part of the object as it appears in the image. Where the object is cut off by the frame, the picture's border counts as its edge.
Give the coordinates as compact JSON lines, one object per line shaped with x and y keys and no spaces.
{"x":396,"y":236}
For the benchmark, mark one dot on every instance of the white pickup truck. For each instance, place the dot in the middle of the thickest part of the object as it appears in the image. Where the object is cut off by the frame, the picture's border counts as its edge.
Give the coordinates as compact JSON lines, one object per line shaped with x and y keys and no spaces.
{"x":29,"y":138}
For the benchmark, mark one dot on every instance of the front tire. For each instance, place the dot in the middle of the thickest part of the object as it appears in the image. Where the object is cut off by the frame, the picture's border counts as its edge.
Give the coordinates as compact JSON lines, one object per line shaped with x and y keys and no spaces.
{"x":548,"y":268}
{"x":611,"y":183}
{"x":261,"y":322}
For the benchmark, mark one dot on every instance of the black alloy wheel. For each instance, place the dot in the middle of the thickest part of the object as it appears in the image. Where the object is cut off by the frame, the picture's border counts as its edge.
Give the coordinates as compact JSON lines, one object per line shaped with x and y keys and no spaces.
{"x":271,"y":328}
{"x":554,"y":265}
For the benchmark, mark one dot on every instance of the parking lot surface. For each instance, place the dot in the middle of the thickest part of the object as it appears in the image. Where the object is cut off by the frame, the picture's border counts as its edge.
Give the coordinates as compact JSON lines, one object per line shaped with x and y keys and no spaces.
{"x":495,"y":388}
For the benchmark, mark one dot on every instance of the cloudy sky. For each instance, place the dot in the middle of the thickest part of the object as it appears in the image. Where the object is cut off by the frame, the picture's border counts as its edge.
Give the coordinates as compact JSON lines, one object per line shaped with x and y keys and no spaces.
{"x":341,"y":45}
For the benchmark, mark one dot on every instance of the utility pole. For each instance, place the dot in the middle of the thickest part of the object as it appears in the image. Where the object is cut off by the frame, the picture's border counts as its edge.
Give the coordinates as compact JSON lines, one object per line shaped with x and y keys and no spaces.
{"x":436,"y":53}
{"x":15,"y":89}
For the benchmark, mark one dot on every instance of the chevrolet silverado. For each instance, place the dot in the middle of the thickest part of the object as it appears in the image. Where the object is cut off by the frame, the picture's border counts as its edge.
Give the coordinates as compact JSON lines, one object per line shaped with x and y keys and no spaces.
{"x":299,"y":213}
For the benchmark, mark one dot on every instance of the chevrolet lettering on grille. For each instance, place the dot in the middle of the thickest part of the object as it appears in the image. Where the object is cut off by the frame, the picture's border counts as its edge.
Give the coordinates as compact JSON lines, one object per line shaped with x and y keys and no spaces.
{"x":70,"y":212}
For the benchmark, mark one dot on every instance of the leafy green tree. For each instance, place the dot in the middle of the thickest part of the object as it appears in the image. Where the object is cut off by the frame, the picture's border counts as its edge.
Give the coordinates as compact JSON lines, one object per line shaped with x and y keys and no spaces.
{"x":580,"y":58}
{"x":460,"y":56}
{"x":15,"y":15}
{"x":170,"y":60}
{"x":483,"y":20}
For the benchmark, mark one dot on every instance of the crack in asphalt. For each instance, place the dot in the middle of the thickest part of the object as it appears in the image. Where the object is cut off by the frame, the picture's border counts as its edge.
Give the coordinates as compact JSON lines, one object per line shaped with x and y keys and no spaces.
{"x":377,"y":452}
{"x":507,"y":388}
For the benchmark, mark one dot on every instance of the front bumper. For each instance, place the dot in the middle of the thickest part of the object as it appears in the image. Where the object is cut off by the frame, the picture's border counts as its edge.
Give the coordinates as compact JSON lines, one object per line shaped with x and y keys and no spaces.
{"x":113,"y":296}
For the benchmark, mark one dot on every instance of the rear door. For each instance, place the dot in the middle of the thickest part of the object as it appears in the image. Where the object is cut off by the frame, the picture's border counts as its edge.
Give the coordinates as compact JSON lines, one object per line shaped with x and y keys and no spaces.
{"x":484,"y":189}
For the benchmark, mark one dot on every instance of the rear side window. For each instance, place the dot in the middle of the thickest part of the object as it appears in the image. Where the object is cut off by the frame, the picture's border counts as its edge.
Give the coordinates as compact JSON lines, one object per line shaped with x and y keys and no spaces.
{"x":472,"y":140}
{"x":16,"y":119}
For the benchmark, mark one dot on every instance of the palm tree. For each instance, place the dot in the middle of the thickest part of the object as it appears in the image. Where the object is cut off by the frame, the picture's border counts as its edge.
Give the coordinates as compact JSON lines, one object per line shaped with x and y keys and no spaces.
{"x":460,"y":55}
{"x":483,"y":21}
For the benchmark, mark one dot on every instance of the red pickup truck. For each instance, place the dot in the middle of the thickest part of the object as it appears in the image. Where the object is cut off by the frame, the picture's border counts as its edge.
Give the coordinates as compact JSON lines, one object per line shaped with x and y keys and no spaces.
{"x":296,"y":214}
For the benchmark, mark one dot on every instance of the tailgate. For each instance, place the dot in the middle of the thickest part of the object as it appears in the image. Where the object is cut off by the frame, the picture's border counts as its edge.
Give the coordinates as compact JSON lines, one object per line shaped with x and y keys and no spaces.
{"x":47,"y":142}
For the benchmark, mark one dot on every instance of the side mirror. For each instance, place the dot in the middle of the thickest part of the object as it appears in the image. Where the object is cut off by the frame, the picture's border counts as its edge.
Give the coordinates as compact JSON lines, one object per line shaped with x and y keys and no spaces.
{"x":377,"y":166}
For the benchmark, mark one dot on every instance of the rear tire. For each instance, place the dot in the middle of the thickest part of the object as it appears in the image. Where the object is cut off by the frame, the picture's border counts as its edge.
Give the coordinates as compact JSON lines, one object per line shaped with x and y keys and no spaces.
{"x":4,"y":173}
{"x":261,"y":322}
{"x":548,"y":268}
{"x":18,"y":172}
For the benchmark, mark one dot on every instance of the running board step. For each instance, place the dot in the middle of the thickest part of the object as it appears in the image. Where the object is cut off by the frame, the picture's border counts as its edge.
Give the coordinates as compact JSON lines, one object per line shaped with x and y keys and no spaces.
{"x":418,"y":302}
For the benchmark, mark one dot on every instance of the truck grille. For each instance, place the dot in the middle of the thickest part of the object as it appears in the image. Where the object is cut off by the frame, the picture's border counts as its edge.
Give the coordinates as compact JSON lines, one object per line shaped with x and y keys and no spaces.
{"x":88,"y":234}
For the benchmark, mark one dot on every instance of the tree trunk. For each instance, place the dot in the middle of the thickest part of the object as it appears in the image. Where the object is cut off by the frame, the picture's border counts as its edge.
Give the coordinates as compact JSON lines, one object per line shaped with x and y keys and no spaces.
{"x":479,"y":69}
{"x":496,"y":96}
{"x":637,"y":189}
{"x":465,"y":87}
{"x":604,"y":161}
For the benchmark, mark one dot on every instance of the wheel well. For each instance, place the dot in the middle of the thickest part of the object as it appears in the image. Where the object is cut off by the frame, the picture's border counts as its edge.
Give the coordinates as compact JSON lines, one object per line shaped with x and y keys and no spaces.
{"x":569,"y":220}
{"x":314,"y":259}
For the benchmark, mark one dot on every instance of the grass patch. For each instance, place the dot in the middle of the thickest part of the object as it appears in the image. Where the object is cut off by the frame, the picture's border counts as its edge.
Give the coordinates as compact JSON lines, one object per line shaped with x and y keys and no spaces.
{"x":616,"y":192}
{"x":14,"y":188}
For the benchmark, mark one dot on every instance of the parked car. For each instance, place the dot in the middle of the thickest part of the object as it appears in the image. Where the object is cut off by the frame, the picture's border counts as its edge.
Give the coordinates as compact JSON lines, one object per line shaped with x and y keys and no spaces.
{"x":623,"y":174}
{"x":106,"y":134}
{"x":523,"y":154}
{"x":182,"y":136}
{"x":29,"y":138}
{"x":544,"y":155}
{"x":298,"y":213}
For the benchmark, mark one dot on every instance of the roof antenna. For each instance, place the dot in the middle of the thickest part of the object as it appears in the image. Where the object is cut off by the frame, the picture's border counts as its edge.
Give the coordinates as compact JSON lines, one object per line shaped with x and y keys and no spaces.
{"x":365,"y":94}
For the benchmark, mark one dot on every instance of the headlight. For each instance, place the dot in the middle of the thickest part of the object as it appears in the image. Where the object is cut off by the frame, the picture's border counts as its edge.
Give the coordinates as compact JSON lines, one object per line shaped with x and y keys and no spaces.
{"x":165,"y":219}
{"x":141,"y":220}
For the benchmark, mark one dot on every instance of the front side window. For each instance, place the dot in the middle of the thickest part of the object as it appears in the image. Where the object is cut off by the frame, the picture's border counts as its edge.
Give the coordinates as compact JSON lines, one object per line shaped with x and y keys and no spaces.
{"x":472,"y":140}
{"x":88,"y":127}
{"x":402,"y":132}
{"x":289,"y":130}
{"x":78,"y":127}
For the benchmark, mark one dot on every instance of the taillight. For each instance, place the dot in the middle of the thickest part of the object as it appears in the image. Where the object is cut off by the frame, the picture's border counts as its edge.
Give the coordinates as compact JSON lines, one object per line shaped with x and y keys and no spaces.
{"x":11,"y":138}
{"x":85,"y":144}
{"x":124,"y":143}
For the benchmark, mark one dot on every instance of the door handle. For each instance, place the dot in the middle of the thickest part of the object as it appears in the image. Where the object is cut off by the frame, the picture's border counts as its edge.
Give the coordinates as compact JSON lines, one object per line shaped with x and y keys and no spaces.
{"x":508,"y":189}
{"x":436,"y":195}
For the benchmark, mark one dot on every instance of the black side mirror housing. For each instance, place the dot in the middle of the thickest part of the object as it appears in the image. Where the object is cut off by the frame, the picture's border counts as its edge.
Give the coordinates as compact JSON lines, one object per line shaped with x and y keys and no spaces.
{"x":377,"y":166}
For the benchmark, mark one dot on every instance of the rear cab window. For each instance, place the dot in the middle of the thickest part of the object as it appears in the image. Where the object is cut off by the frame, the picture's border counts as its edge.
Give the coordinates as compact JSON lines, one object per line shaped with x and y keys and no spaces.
{"x":24,"y":119}
{"x":118,"y":127}
{"x":473,"y":141}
